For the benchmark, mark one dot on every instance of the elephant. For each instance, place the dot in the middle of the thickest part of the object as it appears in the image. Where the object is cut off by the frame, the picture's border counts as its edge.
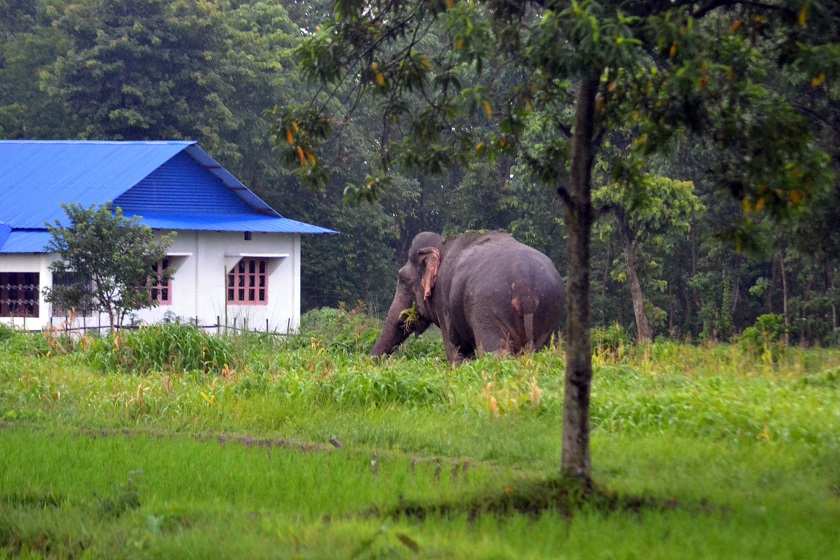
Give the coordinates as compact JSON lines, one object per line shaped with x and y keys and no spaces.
{"x":487,"y":292}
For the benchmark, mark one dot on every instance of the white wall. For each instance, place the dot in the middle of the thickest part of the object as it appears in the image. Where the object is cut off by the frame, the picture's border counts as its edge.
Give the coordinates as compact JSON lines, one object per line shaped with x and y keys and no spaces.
{"x":201,"y":261}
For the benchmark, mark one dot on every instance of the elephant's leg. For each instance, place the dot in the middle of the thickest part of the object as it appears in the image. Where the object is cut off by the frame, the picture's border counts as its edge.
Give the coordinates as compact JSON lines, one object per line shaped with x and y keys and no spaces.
{"x":456,"y":349}
{"x":494,"y":343}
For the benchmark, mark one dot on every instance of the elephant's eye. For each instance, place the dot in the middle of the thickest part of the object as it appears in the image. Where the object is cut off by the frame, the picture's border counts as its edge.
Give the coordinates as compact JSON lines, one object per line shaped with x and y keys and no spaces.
{"x":405,"y":276}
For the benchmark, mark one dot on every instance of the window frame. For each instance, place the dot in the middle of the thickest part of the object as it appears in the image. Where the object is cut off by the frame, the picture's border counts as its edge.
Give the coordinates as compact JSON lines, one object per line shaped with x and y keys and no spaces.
{"x":161,"y":289}
{"x":30,"y":284}
{"x":247,"y":282}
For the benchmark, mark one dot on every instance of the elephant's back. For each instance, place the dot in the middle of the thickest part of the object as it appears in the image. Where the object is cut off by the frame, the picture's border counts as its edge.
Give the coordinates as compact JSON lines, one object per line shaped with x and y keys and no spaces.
{"x":503,"y":280}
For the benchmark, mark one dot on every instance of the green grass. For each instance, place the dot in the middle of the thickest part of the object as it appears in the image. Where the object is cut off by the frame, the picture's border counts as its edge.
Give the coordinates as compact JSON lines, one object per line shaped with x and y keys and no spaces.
{"x":169,"y":443}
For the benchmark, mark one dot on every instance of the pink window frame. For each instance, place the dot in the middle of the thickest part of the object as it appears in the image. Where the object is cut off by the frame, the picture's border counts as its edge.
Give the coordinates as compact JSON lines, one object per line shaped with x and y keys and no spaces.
{"x":247,"y":282}
{"x":161,"y":290}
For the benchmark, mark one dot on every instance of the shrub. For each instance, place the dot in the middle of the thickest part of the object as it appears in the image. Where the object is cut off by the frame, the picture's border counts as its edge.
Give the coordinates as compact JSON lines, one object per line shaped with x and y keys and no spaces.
{"x":610,"y":339}
{"x":24,"y":343}
{"x":351,"y":332}
{"x":765,"y":337}
{"x":6,"y":332}
{"x":167,"y":347}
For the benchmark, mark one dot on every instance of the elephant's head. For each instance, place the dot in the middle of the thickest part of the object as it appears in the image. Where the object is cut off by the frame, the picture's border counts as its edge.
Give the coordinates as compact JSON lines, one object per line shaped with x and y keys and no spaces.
{"x":411,"y":310}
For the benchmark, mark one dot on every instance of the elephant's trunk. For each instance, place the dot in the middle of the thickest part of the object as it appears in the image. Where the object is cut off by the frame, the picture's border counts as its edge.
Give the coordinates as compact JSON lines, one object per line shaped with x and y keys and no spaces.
{"x":394,"y":329}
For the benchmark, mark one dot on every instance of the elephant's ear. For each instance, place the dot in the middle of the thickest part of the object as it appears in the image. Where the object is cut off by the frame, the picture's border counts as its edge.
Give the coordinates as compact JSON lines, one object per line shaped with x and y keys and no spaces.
{"x":431,"y":257}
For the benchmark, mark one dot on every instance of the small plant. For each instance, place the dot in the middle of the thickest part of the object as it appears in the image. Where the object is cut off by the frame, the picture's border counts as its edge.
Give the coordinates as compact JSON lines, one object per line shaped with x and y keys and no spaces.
{"x":766,"y":337}
{"x":611,"y":339}
{"x":6,"y":332}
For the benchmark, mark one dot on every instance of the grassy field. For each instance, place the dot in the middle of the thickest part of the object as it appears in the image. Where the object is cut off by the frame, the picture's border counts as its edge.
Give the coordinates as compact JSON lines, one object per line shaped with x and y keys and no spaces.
{"x":166,"y":443}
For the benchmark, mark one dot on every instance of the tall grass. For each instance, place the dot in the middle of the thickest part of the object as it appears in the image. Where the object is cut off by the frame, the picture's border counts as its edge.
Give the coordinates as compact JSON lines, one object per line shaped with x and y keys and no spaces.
{"x":170,"y":443}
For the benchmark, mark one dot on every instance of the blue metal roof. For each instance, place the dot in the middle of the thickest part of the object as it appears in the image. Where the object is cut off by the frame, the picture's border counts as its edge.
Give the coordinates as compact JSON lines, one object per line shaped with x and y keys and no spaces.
{"x":37,"y":176}
{"x":170,"y":184}
{"x":5,"y":231}
{"x":230,"y":222}
{"x":26,"y":241}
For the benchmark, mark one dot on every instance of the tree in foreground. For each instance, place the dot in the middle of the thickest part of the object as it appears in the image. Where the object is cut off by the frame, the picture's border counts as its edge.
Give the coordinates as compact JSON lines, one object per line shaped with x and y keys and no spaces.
{"x":592,"y":72}
{"x":109,"y":259}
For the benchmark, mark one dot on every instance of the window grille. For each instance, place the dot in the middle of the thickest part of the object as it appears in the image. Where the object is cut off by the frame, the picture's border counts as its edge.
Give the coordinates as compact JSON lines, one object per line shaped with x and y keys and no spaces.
{"x":67,"y":279}
{"x":161,"y":289}
{"x":19,"y":294}
{"x":248,"y":283}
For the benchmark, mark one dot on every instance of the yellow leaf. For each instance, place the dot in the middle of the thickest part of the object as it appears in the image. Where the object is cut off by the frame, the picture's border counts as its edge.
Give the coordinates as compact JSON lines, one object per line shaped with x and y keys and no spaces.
{"x":295,"y":126}
{"x":611,"y":87}
{"x":301,"y":155}
{"x":502,"y":142}
{"x":745,"y":205}
{"x":641,"y":139}
{"x":765,"y":433}
{"x":311,"y":157}
{"x":819,"y":80}
{"x":290,"y":138}
{"x":479,"y":147}
{"x":380,"y":79}
{"x":600,"y":105}
{"x":673,"y":51}
{"x":449,"y":4}
{"x":759,"y":204}
{"x":488,"y":109}
{"x":803,"y":14}
{"x":796,"y":197}
{"x":460,"y":44}
{"x":735,"y":26}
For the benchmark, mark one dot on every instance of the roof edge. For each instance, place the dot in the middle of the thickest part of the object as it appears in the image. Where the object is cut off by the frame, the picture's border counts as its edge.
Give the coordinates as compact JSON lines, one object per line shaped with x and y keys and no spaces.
{"x":231,"y":182}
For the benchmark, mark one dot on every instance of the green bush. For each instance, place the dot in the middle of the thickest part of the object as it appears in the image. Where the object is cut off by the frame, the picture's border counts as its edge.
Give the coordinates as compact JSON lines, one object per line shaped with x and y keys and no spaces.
{"x":6,"y":332}
{"x":765,"y":337}
{"x":167,"y":347}
{"x":24,"y":343}
{"x":610,"y":339}
{"x":351,"y":332}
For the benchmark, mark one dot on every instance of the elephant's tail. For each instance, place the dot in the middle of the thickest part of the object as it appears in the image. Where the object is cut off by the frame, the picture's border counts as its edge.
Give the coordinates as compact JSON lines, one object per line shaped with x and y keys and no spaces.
{"x":528,"y":320}
{"x":525,"y":305}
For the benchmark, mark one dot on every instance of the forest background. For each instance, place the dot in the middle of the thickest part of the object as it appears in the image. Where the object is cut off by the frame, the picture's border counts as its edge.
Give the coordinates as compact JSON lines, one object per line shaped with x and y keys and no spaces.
{"x":209,"y":71}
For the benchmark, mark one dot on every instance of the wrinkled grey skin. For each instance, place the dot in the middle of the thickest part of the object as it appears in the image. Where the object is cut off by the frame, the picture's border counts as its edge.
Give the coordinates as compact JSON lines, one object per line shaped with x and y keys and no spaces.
{"x":490,"y":294}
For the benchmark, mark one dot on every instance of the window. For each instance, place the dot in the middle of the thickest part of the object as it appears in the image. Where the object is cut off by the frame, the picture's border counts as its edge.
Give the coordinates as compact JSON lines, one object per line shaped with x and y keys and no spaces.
{"x":19,"y":293}
{"x":247,"y":283}
{"x":161,"y":288}
{"x":67,"y":280}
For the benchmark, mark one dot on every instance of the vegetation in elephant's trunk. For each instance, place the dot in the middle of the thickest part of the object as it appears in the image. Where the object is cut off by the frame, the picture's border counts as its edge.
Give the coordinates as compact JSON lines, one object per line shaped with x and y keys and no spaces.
{"x":399,"y":324}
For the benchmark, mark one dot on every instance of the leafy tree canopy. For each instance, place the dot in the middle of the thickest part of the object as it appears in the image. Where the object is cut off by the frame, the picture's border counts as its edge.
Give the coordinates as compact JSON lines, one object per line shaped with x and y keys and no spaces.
{"x":111,"y":258}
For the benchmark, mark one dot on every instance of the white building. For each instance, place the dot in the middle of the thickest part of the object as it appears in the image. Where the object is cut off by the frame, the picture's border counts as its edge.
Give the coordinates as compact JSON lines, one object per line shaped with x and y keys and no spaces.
{"x":236,"y":260}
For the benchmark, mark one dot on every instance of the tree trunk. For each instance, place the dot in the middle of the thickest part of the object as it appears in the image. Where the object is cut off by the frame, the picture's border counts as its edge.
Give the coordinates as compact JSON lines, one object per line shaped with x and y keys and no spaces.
{"x":831,"y":278}
{"x":576,"y":460}
{"x":643,"y":328}
{"x":785,"y":313}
